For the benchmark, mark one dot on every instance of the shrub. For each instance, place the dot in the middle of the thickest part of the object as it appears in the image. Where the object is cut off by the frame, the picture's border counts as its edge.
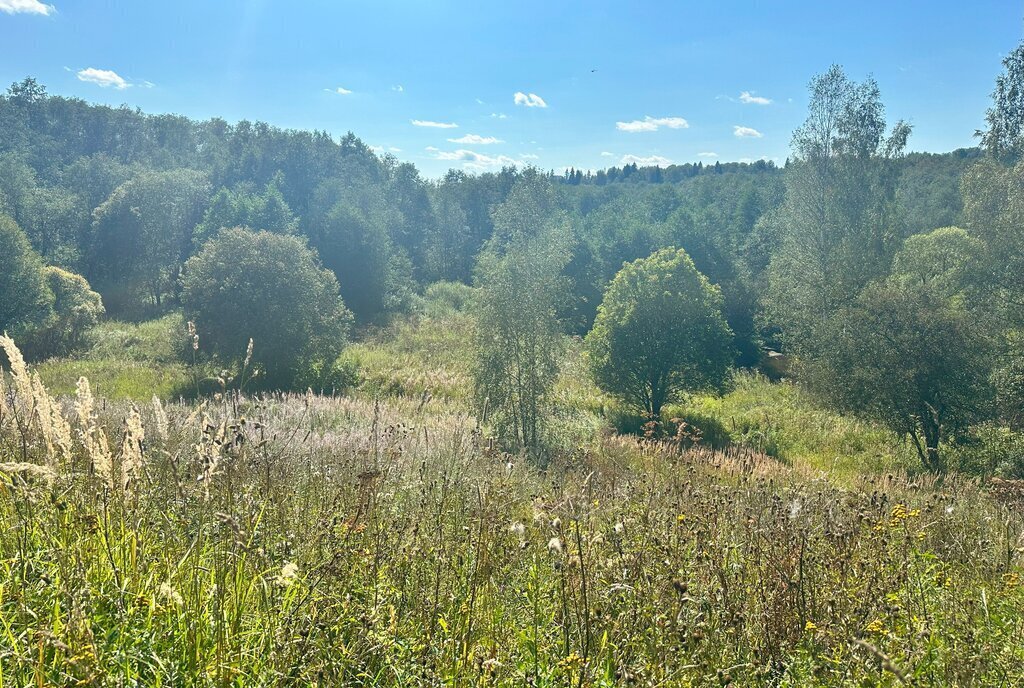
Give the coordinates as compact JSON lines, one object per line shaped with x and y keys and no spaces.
{"x":272,"y":289}
{"x":76,"y":310}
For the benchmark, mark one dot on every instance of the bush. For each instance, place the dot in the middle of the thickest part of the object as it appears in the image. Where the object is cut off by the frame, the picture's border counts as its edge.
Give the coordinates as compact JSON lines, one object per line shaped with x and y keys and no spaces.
{"x":76,"y":310}
{"x":342,"y":375}
{"x":990,"y":449}
{"x":272,"y":289}
{"x":444,"y":298}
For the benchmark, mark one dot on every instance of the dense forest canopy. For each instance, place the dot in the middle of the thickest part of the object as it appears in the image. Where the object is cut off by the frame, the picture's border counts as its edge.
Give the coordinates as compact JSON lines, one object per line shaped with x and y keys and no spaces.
{"x":124,"y":198}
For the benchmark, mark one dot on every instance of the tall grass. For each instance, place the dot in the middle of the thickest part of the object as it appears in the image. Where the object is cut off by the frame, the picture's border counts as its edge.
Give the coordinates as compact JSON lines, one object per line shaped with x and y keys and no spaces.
{"x":305,"y":540}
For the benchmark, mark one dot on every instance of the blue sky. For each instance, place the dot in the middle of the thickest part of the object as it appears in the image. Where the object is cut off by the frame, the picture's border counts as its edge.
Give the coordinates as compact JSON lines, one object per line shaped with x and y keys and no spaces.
{"x":601,"y":83}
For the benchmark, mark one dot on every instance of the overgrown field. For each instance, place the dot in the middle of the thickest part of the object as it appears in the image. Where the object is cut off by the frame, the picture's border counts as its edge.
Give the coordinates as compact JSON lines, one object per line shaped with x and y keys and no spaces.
{"x":307,"y":539}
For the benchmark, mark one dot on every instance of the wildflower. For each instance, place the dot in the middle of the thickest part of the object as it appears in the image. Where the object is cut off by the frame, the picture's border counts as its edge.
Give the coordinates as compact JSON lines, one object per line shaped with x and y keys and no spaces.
{"x":810,"y":626}
{"x":518,"y":529}
{"x":556,"y":524}
{"x":193,"y":335}
{"x":875,"y":626}
{"x":288,"y":575}
{"x":619,"y":527}
{"x":169,"y":594}
{"x":555,"y":546}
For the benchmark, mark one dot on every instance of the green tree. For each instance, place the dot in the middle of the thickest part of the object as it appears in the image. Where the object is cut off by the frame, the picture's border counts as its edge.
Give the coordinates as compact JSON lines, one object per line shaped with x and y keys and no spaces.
{"x":659,"y":333}
{"x":240,"y":207}
{"x":839,"y":225}
{"x":270,"y":288}
{"x":914,"y":360}
{"x":25,"y":299}
{"x":518,"y":336}
{"x":1004,"y":137}
{"x":143,"y":232}
{"x":349,"y":228}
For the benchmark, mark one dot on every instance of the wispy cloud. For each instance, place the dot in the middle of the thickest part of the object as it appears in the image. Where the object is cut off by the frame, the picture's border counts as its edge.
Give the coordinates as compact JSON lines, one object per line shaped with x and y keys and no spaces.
{"x":748,"y":98}
{"x":474,"y":160}
{"x":476,"y":139}
{"x":499,"y":115}
{"x":746,"y":132}
{"x":707,"y":154}
{"x":398,"y":87}
{"x":652,"y":124}
{"x":26,"y":7}
{"x":529,"y":156}
{"x":433,"y":125}
{"x":340,"y":90}
{"x":607,"y":154}
{"x":103,"y":77}
{"x":649,"y":161}
{"x":528,"y":100}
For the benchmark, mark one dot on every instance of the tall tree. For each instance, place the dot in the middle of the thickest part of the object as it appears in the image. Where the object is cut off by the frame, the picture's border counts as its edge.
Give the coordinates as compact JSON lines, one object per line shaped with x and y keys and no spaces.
{"x":839,"y":224}
{"x":143,"y":232}
{"x":518,"y":335}
{"x":1004,"y":137}
{"x":25,"y":299}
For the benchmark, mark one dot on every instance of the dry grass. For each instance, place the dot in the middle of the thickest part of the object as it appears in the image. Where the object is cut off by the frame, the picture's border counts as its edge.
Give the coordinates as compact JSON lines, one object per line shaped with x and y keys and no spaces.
{"x":330,"y":541}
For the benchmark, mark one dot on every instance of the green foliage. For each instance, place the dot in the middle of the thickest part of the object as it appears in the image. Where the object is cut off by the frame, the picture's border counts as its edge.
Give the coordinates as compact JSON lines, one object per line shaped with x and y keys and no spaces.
{"x":444,"y":564}
{"x":76,"y":310}
{"x":840,"y":224}
{"x":913,"y":359}
{"x":349,"y":227}
{"x":785,"y":421}
{"x":518,"y":336}
{"x":269,"y":288}
{"x":990,"y":449}
{"x":26,"y":300}
{"x":143,"y":232}
{"x":659,"y":333}
{"x":266,"y":210}
{"x":994,"y":213}
{"x":1004,"y":137}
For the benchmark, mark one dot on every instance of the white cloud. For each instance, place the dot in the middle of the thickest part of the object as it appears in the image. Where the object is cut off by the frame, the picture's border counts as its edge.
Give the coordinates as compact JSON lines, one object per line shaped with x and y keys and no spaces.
{"x":433,"y":125}
{"x":607,"y":154}
{"x":499,"y":115}
{"x":26,"y":7}
{"x":476,"y":139}
{"x":474,"y":160}
{"x":748,"y":98}
{"x":649,"y":161}
{"x":432,"y":149}
{"x":746,"y":132}
{"x":342,"y":91}
{"x":398,"y":87}
{"x":707,"y":154}
{"x":528,"y":100}
{"x":102,"y":77}
{"x":529,"y":156}
{"x":394,"y":150}
{"x":652,"y":124}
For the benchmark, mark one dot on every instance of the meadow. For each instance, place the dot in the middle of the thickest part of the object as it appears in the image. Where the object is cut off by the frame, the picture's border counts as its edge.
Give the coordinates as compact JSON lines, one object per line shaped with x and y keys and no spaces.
{"x":380,"y":537}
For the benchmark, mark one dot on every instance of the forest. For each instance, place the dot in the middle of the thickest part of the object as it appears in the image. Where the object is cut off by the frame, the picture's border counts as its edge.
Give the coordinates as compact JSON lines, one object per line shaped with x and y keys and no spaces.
{"x":277,"y":409}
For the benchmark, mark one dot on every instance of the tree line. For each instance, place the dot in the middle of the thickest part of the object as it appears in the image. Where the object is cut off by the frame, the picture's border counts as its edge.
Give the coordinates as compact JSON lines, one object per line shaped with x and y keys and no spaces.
{"x":892,"y":278}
